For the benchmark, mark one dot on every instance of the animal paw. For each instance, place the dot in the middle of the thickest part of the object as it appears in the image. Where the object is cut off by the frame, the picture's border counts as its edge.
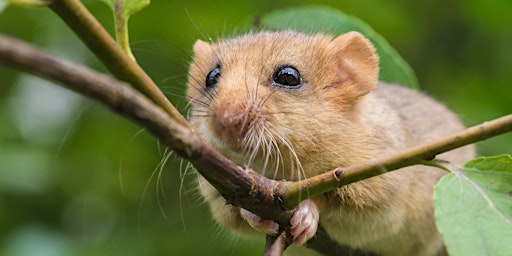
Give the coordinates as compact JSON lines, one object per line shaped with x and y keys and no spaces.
{"x":264,"y":225}
{"x":304,"y":222}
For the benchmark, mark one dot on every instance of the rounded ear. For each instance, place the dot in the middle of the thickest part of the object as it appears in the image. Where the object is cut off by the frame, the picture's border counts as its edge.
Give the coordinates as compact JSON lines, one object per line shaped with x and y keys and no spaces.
{"x":203,"y":51}
{"x":357,"y":63}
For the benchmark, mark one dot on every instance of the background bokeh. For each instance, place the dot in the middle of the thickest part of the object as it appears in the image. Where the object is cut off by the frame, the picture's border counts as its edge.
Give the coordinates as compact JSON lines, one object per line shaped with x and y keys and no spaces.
{"x":76,"y":179}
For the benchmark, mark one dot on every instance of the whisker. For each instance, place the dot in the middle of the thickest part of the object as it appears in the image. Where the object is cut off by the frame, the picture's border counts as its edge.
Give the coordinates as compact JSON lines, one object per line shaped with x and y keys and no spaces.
{"x":201,"y":112}
{"x":198,"y":116}
{"x":145,"y":190}
{"x":180,"y":193}
{"x":293,"y":157}
{"x":267,"y":97}
{"x":200,"y":102}
{"x":278,"y":158}
{"x":168,"y":79}
{"x":250,"y":140}
{"x":270,"y":153}
{"x":174,"y":94}
{"x":198,"y":84}
{"x":298,"y":132}
{"x":69,"y":129}
{"x":159,"y":184}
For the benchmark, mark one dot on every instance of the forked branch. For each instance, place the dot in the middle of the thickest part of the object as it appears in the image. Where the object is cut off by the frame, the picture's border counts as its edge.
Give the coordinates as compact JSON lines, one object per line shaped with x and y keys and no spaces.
{"x":245,"y":188}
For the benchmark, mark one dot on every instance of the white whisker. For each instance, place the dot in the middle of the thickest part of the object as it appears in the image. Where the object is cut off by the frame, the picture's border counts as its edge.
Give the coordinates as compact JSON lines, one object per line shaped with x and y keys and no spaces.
{"x":295,"y":164}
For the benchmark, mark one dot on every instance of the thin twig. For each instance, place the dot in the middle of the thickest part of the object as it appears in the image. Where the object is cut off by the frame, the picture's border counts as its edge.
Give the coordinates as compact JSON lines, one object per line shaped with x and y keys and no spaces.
{"x":293,"y":193}
{"x":275,"y":245}
{"x":101,"y":43}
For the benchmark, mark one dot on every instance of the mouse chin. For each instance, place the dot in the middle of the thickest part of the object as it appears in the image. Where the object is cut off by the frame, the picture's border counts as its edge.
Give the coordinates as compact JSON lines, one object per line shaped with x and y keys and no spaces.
{"x":237,"y":149}
{"x":226,"y":144}
{"x":264,"y":158}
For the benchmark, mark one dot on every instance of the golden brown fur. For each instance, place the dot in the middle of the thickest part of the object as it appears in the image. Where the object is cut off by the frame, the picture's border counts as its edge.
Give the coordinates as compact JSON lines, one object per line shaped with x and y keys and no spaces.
{"x":338,"y":117}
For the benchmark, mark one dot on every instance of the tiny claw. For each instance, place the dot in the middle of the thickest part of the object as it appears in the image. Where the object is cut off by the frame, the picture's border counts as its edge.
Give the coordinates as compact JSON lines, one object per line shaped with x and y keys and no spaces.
{"x":264,"y":225}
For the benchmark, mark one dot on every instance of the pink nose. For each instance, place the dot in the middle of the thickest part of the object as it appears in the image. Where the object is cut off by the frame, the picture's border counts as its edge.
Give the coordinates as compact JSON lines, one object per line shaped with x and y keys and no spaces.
{"x":231,"y":122}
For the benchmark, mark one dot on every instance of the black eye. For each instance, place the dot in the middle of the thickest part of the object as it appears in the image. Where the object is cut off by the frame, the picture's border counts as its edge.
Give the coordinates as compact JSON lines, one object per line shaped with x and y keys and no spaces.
{"x":287,"y":77}
{"x":212,"y":78}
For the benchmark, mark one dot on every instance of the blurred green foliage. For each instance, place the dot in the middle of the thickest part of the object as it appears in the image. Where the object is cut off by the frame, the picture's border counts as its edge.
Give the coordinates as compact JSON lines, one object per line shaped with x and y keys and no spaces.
{"x":75,"y":179}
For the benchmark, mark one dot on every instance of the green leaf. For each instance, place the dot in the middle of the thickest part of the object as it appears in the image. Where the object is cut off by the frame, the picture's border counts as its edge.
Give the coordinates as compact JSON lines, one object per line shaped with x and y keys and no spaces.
{"x":313,"y":19}
{"x":122,"y":10}
{"x":473,"y":207}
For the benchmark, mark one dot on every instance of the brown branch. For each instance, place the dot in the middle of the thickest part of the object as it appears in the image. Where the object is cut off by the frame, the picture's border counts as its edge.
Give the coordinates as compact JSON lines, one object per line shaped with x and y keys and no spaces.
{"x":123,"y":99}
{"x":275,"y":245}
{"x":244,"y":188}
{"x":101,"y":43}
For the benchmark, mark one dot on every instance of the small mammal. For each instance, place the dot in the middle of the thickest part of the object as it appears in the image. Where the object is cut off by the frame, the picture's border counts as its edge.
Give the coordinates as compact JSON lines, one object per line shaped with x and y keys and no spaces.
{"x":292,"y":105}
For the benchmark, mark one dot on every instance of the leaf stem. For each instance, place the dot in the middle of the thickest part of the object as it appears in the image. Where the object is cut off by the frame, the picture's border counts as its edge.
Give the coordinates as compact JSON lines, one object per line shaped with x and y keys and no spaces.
{"x":121,"y":27}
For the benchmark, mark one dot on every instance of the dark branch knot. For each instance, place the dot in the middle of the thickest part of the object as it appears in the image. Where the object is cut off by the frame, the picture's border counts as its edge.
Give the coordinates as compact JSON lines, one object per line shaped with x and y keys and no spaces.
{"x":338,"y":172}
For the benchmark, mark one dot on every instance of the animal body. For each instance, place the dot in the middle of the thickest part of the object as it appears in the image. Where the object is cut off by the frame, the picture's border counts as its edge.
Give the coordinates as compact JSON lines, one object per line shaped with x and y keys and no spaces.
{"x":293,"y":105}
